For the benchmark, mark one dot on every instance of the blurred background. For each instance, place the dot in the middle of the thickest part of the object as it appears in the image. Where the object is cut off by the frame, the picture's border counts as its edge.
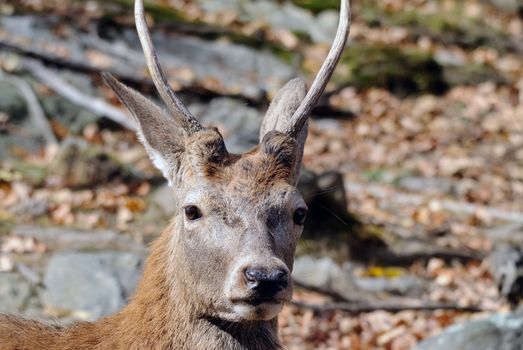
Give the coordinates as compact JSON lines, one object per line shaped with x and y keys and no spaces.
{"x":414,"y":161}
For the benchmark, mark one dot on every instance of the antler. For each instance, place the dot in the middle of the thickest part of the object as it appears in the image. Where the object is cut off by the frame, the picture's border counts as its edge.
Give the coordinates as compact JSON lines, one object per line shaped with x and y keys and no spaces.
{"x":322,"y":78}
{"x":188,"y":122}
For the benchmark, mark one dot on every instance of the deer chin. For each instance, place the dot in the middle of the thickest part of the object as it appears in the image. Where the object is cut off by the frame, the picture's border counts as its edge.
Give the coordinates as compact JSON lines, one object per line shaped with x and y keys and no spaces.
{"x":238,"y":312}
{"x":264,"y":311}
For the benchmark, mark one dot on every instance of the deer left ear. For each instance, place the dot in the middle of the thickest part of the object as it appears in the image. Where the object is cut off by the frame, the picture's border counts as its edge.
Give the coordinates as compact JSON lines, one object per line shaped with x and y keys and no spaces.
{"x":279,"y":114}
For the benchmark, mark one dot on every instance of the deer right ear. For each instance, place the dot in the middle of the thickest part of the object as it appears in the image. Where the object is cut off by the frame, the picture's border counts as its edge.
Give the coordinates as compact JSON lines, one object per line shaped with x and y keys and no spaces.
{"x":160,"y":133}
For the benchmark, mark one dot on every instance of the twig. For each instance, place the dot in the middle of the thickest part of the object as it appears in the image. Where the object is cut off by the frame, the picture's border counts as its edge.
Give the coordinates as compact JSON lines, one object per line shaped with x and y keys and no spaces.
{"x":383,"y":192}
{"x":63,"y":88}
{"x":36,"y":112}
{"x":361,"y":307}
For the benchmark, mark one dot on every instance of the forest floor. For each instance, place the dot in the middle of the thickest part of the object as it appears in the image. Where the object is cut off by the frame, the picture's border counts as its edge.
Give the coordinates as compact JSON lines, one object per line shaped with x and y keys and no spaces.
{"x":423,"y":119}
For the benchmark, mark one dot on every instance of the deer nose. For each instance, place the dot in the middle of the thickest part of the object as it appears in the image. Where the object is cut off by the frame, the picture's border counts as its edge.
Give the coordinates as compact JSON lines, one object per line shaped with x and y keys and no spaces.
{"x":267,"y":283}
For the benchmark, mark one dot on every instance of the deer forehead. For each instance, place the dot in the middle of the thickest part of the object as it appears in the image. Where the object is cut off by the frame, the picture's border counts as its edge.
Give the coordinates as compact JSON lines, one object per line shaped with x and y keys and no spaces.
{"x":235,"y":190}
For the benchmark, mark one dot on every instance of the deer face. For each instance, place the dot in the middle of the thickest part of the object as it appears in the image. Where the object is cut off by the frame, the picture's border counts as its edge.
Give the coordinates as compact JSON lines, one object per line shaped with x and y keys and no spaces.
{"x":238,"y":221}
{"x":239,"y":216}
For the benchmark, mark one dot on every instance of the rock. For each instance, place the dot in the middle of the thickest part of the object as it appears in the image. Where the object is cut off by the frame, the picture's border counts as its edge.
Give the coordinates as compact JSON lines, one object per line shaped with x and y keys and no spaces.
{"x":289,"y":17}
{"x":12,"y":103}
{"x":80,"y":164}
{"x":472,"y":74}
{"x":128,"y":269}
{"x":216,"y":65}
{"x":238,"y":123}
{"x":452,"y":28}
{"x":401,"y":285}
{"x":425,"y":184}
{"x":91,"y":284}
{"x":407,"y":71}
{"x":31,"y":207}
{"x":324,"y":274}
{"x":507,"y":5}
{"x":508,"y":233}
{"x":15,"y":293}
{"x":326,"y":22}
{"x":506,"y":264}
{"x":71,"y":116}
{"x":285,"y":15}
{"x":400,"y":71}
{"x":60,"y":238}
{"x":13,"y":109}
{"x":222,"y":66}
{"x":163,"y":198}
{"x":497,"y":332}
{"x":447,"y":57}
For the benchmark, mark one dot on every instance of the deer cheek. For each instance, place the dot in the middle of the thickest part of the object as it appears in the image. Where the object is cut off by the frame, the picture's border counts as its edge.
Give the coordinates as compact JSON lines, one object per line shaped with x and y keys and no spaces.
{"x":206,"y":262}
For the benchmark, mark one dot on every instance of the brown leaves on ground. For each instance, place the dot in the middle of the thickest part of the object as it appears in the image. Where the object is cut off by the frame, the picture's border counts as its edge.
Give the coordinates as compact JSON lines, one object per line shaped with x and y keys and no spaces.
{"x":407,"y":156}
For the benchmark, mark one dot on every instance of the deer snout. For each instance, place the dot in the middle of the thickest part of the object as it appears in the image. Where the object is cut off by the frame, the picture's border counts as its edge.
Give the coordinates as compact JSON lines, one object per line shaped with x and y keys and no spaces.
{"x":266,"y":282}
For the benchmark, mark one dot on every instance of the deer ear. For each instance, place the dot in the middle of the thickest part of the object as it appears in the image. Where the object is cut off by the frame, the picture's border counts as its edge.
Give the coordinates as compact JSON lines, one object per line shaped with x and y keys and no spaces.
{"x":279,"y":116}
{"x":160,"y":134}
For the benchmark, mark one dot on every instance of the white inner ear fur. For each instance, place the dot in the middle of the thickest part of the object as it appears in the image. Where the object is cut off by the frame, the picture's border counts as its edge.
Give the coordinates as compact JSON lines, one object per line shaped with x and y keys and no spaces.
{"x":158,"y":161}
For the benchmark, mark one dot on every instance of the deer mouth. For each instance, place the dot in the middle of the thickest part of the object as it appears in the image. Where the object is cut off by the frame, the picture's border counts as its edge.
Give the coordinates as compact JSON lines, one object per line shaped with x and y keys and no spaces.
{"x":257,"y":308}
{"x":258,"y":300}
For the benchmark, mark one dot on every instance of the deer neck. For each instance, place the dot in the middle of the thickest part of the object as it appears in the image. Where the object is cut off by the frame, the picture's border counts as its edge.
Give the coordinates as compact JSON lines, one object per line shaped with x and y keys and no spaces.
{"x":164,"y":315}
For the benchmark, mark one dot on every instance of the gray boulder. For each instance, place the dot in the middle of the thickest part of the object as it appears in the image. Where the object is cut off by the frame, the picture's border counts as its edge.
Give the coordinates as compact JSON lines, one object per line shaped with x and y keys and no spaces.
{"x":324,"y":274}
{"x":15,"y":293}
{"x":239,"y":123}
{"x":94,"y":284}
{"x":497,"y":332}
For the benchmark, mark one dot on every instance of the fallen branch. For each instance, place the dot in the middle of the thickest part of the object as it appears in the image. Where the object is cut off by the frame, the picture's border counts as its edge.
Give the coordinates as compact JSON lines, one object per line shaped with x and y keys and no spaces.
{"x":66,"y":90}
{"x":382,"y":192}
{"x":60,"y":62}
{"x":36,"y":112}
{"x":322,"y":109}
{"x":132,"y":80}
{"x":362,"y":307}
{"x":334,"y":295}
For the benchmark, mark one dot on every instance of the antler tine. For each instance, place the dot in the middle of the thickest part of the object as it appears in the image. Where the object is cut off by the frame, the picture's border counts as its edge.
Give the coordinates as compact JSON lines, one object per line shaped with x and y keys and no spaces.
{"x":322,"y":78}
{"x":189,"y":123}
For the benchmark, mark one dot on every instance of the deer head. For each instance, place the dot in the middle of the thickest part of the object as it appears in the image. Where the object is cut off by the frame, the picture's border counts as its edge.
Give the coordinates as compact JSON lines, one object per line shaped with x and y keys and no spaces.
{"x":238,"y":217}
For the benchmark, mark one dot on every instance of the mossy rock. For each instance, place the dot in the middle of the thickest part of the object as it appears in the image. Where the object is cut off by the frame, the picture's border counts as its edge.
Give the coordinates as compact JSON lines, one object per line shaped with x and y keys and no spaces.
{"x":158,"y":11}
{"x":317,"y":5}
{"x":472,"y":74}
{"x":179,"y":21}
{"x":400,"y":71}
{"x":448,"y":28}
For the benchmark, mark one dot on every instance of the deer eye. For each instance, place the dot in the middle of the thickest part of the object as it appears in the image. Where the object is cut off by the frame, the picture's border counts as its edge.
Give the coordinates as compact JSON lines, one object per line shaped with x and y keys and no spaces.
{"x":192,"y":212}
{"x":299,"y":216}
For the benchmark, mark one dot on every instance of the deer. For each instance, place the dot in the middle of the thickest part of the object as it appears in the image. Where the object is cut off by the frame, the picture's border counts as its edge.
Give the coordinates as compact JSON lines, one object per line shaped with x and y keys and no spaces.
{"x":219,"y":274}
